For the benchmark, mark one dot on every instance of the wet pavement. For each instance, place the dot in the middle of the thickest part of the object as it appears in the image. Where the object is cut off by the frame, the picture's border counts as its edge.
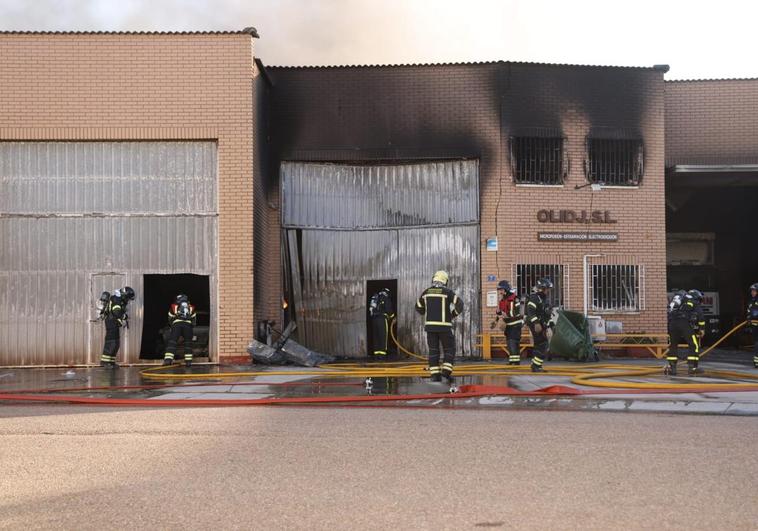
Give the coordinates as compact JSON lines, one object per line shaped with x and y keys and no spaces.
{"x":411,"y":391}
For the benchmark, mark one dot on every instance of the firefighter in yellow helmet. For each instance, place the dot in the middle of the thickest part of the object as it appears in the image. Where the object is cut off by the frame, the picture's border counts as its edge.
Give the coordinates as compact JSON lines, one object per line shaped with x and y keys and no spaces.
{"x":440,"y":305}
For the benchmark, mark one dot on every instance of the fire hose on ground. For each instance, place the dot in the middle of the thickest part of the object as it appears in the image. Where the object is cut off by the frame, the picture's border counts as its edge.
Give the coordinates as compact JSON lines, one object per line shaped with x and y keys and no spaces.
{"x":584,"y":375}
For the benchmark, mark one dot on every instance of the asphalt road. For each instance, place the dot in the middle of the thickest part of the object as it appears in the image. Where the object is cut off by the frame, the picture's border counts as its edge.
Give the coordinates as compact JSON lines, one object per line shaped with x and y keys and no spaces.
{"x":299,"y":468}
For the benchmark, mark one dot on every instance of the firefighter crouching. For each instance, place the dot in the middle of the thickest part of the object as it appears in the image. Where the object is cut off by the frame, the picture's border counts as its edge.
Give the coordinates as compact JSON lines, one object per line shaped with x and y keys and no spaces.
{"x":113,"y":313}
{"x":686,"y":324}
{"x":181,"y":318}
{"x":440,"y":305}
{"x":509,"y":310}
{"x":752,"y":320}
{"x":537,"y":319}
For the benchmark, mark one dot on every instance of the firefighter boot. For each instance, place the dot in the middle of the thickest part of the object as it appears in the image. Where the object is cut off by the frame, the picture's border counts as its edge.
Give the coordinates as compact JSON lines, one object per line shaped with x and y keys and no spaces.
{"x":188,"y":363}
{"x":692,"y":369}
{"x":537,"y":368}
{"x":168,"y":361}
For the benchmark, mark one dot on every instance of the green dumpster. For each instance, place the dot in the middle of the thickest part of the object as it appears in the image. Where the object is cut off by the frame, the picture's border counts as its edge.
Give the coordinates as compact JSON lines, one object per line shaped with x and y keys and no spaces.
{"x":571,"y":337}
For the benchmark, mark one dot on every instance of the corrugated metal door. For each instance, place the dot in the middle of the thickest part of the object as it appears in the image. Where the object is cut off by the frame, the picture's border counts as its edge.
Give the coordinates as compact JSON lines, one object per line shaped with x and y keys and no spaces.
{"x":71,"y":210}
{"x":358,"y":223}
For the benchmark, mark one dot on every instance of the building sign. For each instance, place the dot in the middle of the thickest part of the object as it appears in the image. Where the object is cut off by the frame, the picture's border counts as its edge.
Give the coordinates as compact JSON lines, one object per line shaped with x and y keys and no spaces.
{"x":491,"y":299}
{"x":575,"y":216}
{"x":577,"y":236}
{"x":492,"y":244}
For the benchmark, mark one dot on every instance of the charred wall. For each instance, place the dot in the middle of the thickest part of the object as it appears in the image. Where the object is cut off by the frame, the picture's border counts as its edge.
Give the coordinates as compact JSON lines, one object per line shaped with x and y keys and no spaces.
{"x":402,"y":113}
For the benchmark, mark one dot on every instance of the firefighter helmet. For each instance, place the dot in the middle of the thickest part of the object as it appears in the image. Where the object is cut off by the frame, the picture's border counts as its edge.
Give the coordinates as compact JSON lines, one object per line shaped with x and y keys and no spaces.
{"x":181,"y":298}
{"x":127,"y":293}
{"x":441,"y":277}
{"x":504,"y":285}
{"x":754,"y":287}
{"x":696,"y":294}
{"x":543,"y":284}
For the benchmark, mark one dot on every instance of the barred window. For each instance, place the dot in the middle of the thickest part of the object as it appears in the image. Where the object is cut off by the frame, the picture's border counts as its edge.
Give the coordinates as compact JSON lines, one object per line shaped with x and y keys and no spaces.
{"x":617,"y":288}
{"x":614,"y":162}
{"x":528,"y":274}
{"x":536,"y":160}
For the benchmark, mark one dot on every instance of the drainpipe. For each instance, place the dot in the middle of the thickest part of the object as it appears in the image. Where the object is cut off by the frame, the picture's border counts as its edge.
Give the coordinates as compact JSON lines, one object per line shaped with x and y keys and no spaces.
{"x":586,"y":283}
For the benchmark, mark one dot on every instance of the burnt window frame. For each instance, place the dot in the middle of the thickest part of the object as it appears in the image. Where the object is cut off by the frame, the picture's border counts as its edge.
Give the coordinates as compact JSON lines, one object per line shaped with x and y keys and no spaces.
{"x":611,"y":172}
{"x":563,"y":162}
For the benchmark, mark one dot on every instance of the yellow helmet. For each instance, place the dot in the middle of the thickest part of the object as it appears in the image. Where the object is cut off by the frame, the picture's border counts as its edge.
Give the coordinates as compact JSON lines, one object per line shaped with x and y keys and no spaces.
{"x":441,"y":277}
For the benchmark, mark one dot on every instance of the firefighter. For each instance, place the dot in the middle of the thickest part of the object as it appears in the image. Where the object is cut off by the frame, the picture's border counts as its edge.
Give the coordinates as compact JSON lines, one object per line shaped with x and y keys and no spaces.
{"x":538,"y":319}
{"x":509,"y":310}
{"x":113,"y":313}
{"x":382,"y":312}
{"x":686,"y":323}
{"x":181,"y":318}
{"x":752,"y":320}
{"x":440,"y":305}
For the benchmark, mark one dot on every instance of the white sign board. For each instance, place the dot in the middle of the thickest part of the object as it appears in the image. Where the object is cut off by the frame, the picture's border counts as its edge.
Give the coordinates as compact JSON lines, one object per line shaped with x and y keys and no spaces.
{"x":491,"y":299}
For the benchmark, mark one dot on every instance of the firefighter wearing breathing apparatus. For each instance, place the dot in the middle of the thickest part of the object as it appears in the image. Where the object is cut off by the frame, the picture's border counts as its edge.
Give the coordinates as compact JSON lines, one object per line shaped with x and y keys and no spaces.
{"x":440,"y":305}
{"x":686,"y":324}
{"x":181,"y":318}
{"x":382,"y":312}
{"x":509,"y":311}
{"x":538,"y":319}
{"x":752,"y":320}
{"x":113,"y":313}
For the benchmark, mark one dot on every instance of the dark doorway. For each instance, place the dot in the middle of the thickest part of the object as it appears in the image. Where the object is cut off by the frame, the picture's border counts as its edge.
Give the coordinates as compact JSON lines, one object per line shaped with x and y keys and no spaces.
{"x":160,"y":293}
{"x":372,"y":287}
{"x":725,"y":213}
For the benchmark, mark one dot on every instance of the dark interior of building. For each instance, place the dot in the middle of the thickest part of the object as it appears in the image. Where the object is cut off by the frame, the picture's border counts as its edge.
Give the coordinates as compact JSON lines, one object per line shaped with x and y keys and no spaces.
{"x":722,"y":206}
{"x":160,"y":293}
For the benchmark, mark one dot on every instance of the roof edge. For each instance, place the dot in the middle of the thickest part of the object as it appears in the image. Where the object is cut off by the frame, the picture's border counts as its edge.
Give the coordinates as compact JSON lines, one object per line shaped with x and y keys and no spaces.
{"x":246,"y":31}
{"x":712,"y":79}
{"x":455,"y":63}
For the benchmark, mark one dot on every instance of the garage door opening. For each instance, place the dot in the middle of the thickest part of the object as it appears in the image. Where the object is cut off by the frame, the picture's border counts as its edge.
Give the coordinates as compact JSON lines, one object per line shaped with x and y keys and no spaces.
{"x":710,"y":247}
{"x":160,"y":293}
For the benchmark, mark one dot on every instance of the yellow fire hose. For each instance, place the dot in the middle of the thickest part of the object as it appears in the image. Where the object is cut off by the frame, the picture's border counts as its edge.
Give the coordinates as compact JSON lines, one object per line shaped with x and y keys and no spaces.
{"x":586,"y":375}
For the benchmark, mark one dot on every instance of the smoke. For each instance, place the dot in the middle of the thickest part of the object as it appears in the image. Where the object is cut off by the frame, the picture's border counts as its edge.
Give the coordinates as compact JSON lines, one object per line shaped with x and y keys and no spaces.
{"x":320,"y":32}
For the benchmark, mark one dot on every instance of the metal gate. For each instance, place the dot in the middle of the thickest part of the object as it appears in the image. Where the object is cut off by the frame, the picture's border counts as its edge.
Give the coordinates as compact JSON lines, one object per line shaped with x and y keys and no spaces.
{"x":348,"y":224}
{"x":71,"y":213}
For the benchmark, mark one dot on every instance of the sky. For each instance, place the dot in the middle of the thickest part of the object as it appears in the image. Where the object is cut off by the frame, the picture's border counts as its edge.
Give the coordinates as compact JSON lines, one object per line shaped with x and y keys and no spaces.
{"x":698,"y":39}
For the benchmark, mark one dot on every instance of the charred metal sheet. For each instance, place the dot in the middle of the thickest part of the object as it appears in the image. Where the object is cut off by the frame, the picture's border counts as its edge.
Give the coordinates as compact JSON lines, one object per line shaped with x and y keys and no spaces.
{"x":385,"y":222}
{"x":331,"y":309}
{"x":379,"y":196}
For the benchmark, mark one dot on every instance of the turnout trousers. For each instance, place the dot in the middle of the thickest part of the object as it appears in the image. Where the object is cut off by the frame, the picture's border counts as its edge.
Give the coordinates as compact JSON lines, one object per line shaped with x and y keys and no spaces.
{"x":444,"y":340}
{"x":680,"y":331}
{"x":513,"y":341}
{"x":112,"y":341}
{"x":183,"y":330}
{"x":540,"y":346}
{"x":380,"y":329}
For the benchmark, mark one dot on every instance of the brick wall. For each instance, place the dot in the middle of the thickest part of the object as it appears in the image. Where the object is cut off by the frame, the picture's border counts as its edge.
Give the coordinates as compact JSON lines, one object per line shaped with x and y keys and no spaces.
{"x":711,"y":121}
{"x":148,"y":87}
{"x":469,"y":110}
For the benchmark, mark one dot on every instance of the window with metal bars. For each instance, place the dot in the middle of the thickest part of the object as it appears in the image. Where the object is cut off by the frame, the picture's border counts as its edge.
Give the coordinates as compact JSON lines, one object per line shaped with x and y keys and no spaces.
{"x":614,"y":162}
{"x":528,"y":274}
{"x":616,"y":288}
{"x":536,"y":160}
